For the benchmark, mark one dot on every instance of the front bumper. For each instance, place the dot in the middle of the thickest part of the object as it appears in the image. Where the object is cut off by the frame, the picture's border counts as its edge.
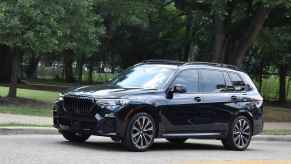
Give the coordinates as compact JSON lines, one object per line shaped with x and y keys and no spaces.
{"x":96,"y":124}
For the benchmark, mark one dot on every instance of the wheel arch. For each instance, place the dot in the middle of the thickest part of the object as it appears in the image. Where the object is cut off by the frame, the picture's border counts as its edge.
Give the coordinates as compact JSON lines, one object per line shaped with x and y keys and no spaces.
{"x":129,"y":112}
{"x":248,"y":115}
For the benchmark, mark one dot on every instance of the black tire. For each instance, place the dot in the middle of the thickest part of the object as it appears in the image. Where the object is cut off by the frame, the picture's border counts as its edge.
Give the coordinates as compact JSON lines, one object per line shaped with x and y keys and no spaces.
{"x":75,"y":137}
{"x":140,"y":136}
{"x":177,"y":140}
{"x":238,"y":137}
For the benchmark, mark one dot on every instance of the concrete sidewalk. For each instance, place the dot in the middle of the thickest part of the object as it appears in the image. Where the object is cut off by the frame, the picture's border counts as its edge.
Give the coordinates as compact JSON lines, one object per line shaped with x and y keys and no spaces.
{"x":277,"y":125}
{"x":25,"y":120}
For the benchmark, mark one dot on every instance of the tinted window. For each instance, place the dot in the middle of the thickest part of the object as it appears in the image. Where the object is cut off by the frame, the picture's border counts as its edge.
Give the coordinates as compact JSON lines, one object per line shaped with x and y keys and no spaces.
{"x":144,"y":76}
{"x":211,"y":81}
{"x":189,"y":79}
{"x":235,"y":79}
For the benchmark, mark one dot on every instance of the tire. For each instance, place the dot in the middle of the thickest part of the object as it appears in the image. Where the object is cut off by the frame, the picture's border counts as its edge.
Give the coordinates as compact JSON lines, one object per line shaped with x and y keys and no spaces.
{"x":75,"y":137}
{"x":140,"y":132}
{"x":239,"y":135}
{"x":177,"y":140}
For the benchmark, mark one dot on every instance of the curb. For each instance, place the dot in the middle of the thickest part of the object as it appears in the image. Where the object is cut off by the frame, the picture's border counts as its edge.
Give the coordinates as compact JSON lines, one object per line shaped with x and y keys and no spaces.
{"x":282,"y":138}
{"x":53,"y":131}
{"x":27,"y":130}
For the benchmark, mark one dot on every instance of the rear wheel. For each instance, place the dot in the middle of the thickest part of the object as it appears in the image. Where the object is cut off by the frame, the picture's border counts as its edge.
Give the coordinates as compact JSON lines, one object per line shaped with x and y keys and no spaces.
{"x":140,"y":132}
{"x":75,"y":137}
{"x":239,"y":135}
{"x":177,"y":140}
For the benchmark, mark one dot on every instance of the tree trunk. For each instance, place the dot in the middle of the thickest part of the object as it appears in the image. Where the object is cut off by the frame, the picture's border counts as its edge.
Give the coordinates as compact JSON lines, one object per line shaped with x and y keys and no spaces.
{"x":261,"y":72}
{"x":90,"y":77}
{"x":80,"y":65}
{"x":13,"y":76}
{"x":31,"y":72}
{"x":251,"y":34}
{"x":232,"y":48}
{"x":5,"y":66}
{"x":68,"y":66}
{"x":218,"y":54}
{"x":188,"y":37}
{"x":283,"y":70}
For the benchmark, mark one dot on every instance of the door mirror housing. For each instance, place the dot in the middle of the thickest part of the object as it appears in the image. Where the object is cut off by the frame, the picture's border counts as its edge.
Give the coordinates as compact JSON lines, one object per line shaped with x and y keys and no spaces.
{"x":178,"y":88}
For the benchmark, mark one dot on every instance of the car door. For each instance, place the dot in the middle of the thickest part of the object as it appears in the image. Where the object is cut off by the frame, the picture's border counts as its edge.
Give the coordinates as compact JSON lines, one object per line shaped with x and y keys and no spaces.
{"x":181,"y":110}
{"x":215,"y":110}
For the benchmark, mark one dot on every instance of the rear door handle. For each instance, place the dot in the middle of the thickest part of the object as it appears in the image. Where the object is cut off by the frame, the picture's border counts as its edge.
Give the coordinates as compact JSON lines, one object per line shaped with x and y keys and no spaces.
{"x":234,"y":98}
{"x":197,"y":99}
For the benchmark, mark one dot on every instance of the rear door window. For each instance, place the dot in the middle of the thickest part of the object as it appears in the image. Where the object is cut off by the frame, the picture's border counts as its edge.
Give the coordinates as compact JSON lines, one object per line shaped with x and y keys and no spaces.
{"x":211,"y":81}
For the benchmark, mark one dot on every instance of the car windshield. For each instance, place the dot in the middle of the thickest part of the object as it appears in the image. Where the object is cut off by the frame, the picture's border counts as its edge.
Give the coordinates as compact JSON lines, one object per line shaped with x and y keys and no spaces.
{"x":148,"y":76}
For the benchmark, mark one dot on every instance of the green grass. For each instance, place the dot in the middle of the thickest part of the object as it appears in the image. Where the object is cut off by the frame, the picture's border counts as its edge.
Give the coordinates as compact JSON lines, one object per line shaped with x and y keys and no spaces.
{"x":45,"y":112}
{"x":46,"y":96}
{"x":270,"y":88}
{"x":277,"y":132}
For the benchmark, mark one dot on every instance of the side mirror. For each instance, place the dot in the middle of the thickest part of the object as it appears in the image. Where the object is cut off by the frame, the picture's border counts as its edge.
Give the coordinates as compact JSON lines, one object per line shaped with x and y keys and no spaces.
{"x":178,"y":88}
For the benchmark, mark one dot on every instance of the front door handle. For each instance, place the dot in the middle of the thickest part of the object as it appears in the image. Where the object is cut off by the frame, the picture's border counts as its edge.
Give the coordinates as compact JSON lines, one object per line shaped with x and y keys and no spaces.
{"x":234,"y":98}
{"x":197,"y":99}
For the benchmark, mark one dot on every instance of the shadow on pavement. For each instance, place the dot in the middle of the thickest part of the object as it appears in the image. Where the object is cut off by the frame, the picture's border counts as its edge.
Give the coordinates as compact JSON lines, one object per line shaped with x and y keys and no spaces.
{"x":159,"y":146}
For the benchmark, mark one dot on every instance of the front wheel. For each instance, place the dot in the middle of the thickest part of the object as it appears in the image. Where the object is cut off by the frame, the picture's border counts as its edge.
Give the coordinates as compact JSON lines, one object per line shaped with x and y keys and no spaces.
{"x":75,"y":137}
{"x":239,"y":135}
{"x":140,"y":132}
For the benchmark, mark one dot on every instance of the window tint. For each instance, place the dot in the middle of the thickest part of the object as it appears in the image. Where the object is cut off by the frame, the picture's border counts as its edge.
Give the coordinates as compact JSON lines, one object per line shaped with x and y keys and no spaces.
{"x":189,"y":79}
{"x":235,"y":79}
{"x":211,"y":81}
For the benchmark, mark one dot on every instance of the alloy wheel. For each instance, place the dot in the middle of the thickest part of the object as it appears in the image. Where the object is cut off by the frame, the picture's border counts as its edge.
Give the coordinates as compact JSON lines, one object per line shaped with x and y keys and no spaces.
{"x":241,"y":133}
{"x":142,"y":132}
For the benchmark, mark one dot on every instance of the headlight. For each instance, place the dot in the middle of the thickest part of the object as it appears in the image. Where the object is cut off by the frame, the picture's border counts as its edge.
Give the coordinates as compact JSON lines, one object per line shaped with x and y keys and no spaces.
{"x":61,"y":97}
{"x":112,"y":104}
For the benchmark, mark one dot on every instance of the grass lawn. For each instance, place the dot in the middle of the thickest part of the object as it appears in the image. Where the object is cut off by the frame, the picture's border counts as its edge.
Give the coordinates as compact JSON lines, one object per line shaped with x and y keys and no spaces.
{"x":46,"y":96}
{"x":45,"y":112}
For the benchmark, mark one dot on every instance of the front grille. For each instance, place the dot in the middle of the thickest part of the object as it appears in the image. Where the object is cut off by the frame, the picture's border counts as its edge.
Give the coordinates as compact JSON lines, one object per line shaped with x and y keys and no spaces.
{"x":79,"y":105}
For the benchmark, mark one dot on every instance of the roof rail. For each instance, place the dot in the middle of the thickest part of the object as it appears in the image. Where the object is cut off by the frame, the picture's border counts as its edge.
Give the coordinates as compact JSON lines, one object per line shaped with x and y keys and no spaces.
{"x":162,"y":61}
{"x":175,"y":62}
{"x":214,"y":65}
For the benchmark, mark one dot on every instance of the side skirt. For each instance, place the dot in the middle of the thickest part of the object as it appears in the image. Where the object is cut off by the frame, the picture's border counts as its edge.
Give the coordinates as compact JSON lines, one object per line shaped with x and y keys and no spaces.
{"x":193,"y":135}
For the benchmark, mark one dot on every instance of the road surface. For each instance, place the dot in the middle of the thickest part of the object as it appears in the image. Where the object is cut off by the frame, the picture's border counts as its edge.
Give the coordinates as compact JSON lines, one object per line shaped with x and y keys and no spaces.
{"x":53,"y":149}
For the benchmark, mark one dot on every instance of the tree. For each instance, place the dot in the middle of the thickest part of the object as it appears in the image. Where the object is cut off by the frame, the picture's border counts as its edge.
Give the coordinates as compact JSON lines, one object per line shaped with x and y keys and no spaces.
{"x":81,"y":29}
{"x":236,"y":23}
{"x":27,"y":25}
{"x":41,"y":27}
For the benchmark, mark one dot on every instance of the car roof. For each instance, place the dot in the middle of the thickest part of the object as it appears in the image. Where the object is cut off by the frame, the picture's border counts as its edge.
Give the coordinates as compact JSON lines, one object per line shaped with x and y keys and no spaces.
{"x":185,"y":65}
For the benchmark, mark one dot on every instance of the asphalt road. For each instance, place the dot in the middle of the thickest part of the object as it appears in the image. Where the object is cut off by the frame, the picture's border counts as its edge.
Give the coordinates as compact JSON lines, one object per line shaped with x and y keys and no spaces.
{"x":53,"y":149}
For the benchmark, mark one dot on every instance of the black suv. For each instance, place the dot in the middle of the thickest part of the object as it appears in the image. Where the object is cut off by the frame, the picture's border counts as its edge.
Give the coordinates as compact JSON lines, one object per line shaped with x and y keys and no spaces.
{"x":165,"y":99}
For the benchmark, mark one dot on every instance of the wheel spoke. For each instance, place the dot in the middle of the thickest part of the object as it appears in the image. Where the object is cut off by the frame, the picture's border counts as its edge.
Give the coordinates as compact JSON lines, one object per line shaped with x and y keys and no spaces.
{"x":142,"y":132}
{"x":241,"y":133}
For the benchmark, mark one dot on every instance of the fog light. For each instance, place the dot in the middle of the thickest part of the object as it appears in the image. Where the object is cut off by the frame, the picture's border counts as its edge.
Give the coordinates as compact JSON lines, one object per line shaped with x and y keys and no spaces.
{"x":110,"y":115}
{"x":98,"y":117}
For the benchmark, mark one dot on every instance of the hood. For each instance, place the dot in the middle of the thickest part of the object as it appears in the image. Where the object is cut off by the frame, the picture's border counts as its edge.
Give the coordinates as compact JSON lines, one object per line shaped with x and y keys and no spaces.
{"x":107,"y":91}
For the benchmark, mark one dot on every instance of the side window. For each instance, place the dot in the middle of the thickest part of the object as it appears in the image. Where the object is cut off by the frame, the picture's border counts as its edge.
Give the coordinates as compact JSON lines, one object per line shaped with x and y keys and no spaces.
{"x":189,"y":79}
{"x":211,"y":81}
{"x":235,"y":79}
